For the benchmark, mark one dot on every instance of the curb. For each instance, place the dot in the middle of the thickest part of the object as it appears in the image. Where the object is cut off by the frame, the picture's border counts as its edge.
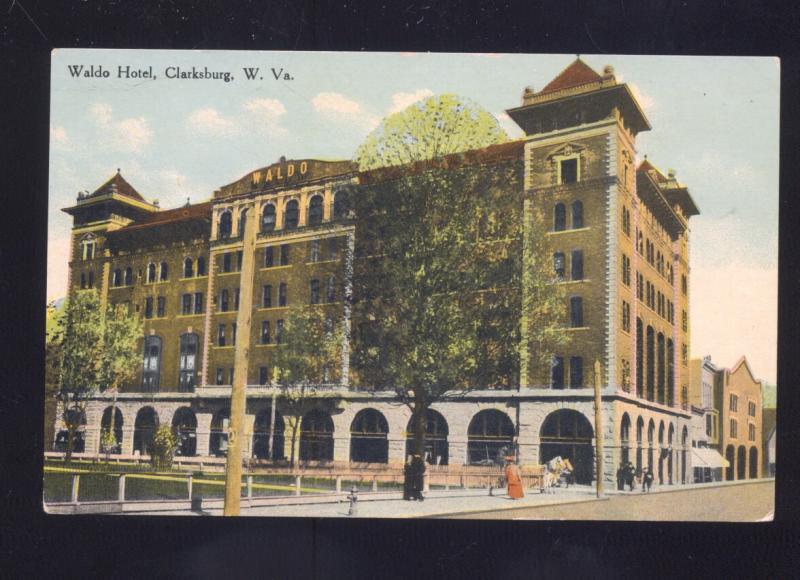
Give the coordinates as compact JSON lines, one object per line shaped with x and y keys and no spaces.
{"x":504,"y":508}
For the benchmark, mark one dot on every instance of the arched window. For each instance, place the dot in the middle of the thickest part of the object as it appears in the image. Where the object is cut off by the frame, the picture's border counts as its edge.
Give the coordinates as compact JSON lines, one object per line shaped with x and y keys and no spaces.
{"x":661,"y":353}
{"x":316,"y":436}
{"x":369,"y":441}
{"x":268,"y":218}
{"x":490,"y":437}
{"x":315,"y":211}
{"x":242,"y":222}
{"x":263,"y":434}
{"x":559,"y":264}
{"x":741,"y":462}
{"x":639,"y":358}
{"x":225,"y":225}
{"x":670,"y":373}
{"x":144,"y":429}
{"x":639,"y":441}
{"x":436,"y":450}
{"x":163,"y":273}
{"x":116,"y":278}
{"x":218,"y":440}
{"x":188,"y":268}
{"x":291,"y":215}
{"x":105,"y":427}
{"x":152,"y":364}
{"x":651,"y":360}
{"x":341,"y":204}
{"x":567,"y":433}
{"x":151,"y":273}
{"x":87,"y":247}
{"x":187,"y":371}
{"x":201,"y":266}
{"x":184,"y":423}
{"x":625,"y":438}
{"x":560,"y":217}
{"x":90,"y":284}
{"x":128,"y":276}
{"x":577,"y":214}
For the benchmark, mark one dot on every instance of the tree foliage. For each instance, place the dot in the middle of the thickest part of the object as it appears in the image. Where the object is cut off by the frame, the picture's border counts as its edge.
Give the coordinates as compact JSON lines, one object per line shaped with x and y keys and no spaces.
{"x":434,"y":127}
{"x":445,"y":252}
{"x":308,"y":356}
{"x":162,"y":449}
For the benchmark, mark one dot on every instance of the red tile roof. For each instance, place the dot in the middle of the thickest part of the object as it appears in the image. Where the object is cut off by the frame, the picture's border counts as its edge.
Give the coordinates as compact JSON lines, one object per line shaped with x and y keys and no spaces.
{"x":117,"y":184}
{"x":576,"y":74}
{"x":199,"y":211}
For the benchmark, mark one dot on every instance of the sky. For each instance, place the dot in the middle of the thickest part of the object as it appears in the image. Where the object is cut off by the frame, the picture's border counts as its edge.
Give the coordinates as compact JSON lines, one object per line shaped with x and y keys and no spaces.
{"x":715,"y":122}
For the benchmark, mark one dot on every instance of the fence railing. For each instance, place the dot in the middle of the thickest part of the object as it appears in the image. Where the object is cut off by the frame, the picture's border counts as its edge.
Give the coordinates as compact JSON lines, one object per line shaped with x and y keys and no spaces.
{"x":73,"y":486}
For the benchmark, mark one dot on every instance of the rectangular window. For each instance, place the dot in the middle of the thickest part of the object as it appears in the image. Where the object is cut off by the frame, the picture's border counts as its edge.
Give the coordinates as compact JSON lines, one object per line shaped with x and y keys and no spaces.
{"x":626,"y":316}
{"x":223,"y":301}
{"x":639,"y":286}
{"x":684,"y":285}
{"x":236,"y":298}
{"x":576,"y":311}
{"x":751,"y":409}
{"x":331,"y":289}
{"x":186,"y":304}
{"x":684,"y":321}
{"x":279,"y":332}
{"x":733,"y":428}
{"x":751,"y":432}
{"x":557,"y":373}
{"x":284,"y":254}
{"x":148,"y":307}
{"x":239,"y":258}
{"x":269,"y":257}
{"x":333,"y":248}
{"x":314,"y":291}
{"x":575,"y":372}
{"x":569,"y":170}
{"x":684,"y":354}
{"x":233,"y":334}
{"x":198,"y":302}
{"x":226,"y":262}
{"x":265,"y":337}
{"x":708,"y":426}
{"x":263,"y":375}
{"x":559,"y":264}
{"x":313,"y":252}
{"x":734,"y":403}
{"x":221,"y":335}
{"x":626,"y":270}
{"x":577,"y":264}
{"x":626,"y":221}
{"x":282,"y":300}
{"x":266,"y":296}
{"x":220,"y":376}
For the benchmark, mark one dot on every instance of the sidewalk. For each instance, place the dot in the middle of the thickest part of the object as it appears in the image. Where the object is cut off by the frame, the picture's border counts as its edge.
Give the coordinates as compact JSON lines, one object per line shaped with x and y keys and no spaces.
{"x":437,"y":503}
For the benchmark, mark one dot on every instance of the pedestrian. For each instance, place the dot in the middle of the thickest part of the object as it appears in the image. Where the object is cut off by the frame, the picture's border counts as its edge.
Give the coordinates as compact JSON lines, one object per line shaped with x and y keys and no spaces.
{"x":648,"y":480}
{"x":407,"y":479}
{"x":417,"y":477}
{"x":621,"y":474}
{"x":513,"y":479}
{"x":631,"y":476}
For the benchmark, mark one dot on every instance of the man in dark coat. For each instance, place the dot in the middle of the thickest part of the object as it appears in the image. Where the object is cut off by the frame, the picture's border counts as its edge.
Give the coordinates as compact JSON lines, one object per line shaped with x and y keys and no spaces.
{"x":416,"y":471}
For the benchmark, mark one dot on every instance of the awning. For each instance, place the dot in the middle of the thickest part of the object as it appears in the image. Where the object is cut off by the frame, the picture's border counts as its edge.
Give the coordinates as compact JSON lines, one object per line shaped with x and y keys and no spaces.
{"x":705,"y":457}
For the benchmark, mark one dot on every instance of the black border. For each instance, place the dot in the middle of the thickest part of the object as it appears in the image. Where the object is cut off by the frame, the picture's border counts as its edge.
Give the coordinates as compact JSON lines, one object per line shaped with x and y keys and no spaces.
{"x":33,"y":544}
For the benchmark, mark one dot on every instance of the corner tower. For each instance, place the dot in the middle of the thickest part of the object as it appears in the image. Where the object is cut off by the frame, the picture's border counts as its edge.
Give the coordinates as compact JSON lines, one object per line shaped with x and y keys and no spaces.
{"x":580,"y":174}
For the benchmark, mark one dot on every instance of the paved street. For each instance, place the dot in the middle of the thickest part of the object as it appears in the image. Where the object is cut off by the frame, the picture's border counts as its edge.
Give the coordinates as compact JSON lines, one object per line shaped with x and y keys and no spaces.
{"x":748,"y":502}
{"x":724,"y":502}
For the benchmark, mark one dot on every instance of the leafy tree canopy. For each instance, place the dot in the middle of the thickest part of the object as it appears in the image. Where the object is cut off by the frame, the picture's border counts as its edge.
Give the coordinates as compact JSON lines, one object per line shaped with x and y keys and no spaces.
{"x":434,"y":127}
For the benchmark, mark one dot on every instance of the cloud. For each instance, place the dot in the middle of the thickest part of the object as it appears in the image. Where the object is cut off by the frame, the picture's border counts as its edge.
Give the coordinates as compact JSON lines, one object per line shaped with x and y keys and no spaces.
{"x":266,"y":114}
{"x":58,"y":136}
{"x":209,"y":121}
{"x":734,"y":312}
{"x":130,"y":135}
{"x":402,"y":100}
{"x":337,"y":107}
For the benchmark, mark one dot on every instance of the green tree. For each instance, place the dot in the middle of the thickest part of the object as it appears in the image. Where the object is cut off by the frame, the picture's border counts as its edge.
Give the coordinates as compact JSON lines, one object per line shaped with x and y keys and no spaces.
{"x":308,"y":356}
{"x":434,"y":127}
{"x":439,"y":284}
{"x":162,"y":449}
{"x":81,"y":355}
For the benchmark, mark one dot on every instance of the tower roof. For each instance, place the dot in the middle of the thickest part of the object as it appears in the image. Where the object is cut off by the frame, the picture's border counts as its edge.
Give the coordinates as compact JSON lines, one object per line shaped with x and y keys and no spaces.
{"x":117,"y":184}
{"x":576,"y":74}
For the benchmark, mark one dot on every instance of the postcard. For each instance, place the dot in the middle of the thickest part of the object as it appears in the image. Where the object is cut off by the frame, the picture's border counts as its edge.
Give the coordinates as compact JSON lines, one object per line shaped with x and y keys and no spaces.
{"x":412,"y":285}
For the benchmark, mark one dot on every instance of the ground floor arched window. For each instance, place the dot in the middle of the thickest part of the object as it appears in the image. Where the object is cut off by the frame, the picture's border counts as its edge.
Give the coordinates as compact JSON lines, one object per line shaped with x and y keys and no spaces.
{"x":369,"y":437}
{"x":741,"y":462}
{"x":567,"y":433}
{"x":184,"y":423}
{"x":144,"y":430}
{"x":316,"y":436}
{"x":490,"y":436}
{"x":753,"y":463}
{"x":218,"y":440}
{"x":730,"y":458}
{"x":105,"y":426}
{"x":436,"y":451}
{"x":269,"y":443}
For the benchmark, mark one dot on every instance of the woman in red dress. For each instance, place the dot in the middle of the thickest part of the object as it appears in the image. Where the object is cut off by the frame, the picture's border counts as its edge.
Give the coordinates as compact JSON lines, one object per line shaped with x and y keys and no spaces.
{"x":513,"y":479}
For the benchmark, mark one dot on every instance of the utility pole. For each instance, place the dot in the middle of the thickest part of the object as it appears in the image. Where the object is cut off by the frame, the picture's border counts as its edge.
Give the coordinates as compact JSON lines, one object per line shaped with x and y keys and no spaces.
{"x":236,"y":433}
{"x":598,"y":427}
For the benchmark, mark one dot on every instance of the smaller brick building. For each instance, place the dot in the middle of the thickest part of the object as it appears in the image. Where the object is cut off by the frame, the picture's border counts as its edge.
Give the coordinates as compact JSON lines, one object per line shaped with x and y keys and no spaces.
{"x":739,"y":402}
